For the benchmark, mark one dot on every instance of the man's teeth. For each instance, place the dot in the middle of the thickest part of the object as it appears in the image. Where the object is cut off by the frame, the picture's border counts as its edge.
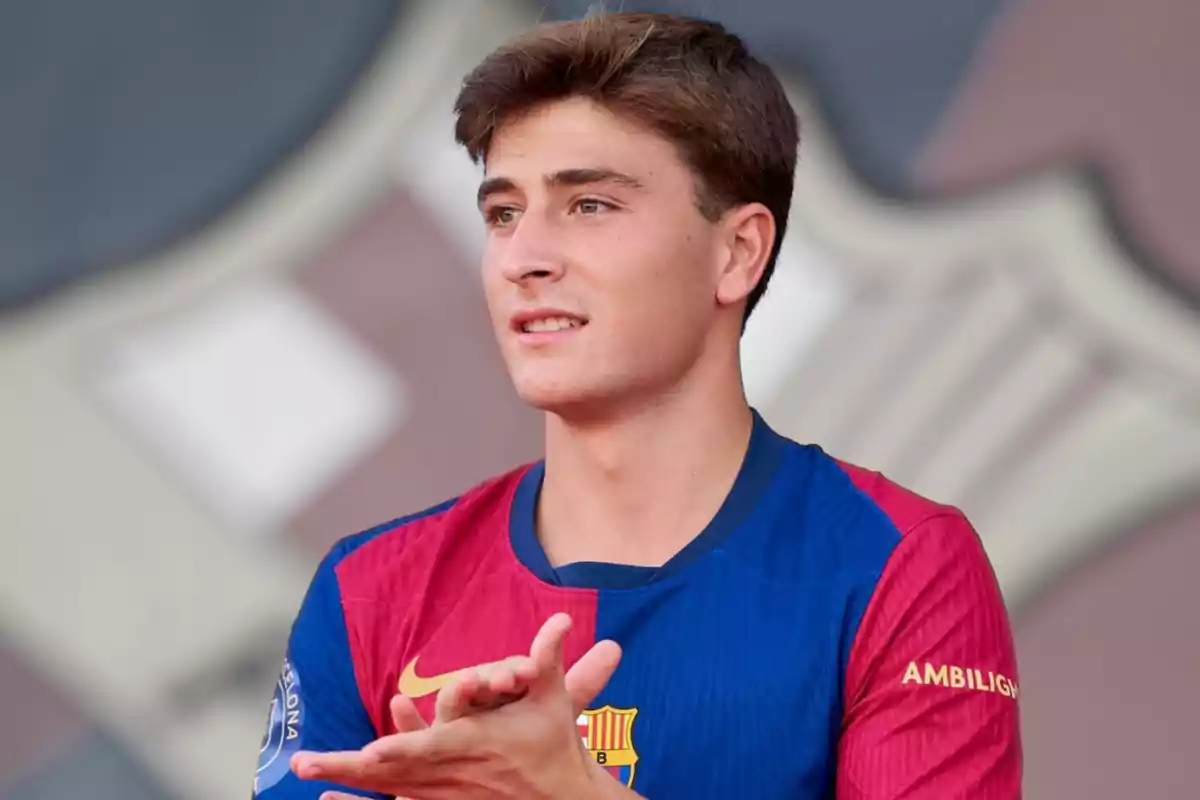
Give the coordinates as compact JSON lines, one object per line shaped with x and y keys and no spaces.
{"x":550,"y":324}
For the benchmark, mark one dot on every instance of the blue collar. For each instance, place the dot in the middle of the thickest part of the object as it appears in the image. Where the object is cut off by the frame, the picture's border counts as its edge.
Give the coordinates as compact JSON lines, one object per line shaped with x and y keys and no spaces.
{"x":762,"y":459}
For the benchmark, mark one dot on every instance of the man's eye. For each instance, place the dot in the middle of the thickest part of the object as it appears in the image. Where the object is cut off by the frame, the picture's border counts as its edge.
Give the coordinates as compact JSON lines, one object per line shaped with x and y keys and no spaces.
{"x":501,"y":215}
{"x":590,"y":205}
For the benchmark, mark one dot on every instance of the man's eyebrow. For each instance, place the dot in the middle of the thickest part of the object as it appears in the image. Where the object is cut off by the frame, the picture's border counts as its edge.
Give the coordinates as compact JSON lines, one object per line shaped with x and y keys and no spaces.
{"x":580,"y":176}
{"x":586,"y":175}
{"x":492,"y":186}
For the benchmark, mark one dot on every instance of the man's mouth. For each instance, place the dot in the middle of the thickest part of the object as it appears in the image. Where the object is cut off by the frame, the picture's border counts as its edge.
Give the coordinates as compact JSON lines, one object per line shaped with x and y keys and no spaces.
{"x":551,"y":324}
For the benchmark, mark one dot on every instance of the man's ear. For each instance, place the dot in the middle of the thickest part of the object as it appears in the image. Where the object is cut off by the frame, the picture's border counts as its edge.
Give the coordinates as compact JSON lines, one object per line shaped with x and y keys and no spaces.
{"x":748,"y":237}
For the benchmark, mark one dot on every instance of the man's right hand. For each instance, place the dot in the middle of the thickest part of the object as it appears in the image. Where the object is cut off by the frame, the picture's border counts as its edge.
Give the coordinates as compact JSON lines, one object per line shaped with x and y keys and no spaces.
{"x":512,"y":767}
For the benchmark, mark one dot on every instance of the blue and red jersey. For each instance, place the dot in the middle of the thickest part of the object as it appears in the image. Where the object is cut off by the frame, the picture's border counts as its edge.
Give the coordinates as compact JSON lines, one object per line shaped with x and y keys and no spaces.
{"x":828,"y":635}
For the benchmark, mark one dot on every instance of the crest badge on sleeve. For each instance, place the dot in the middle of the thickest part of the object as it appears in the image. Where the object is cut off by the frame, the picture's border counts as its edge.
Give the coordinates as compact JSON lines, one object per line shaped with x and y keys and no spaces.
{"x":282,"y":737}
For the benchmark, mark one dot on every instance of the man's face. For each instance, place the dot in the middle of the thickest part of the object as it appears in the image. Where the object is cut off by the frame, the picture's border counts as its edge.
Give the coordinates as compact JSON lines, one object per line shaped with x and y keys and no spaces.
{"x":599,"y":270}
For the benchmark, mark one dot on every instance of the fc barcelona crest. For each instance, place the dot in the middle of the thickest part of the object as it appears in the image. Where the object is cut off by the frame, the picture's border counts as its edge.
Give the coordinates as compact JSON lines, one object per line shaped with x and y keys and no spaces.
{"x":608,"y":735}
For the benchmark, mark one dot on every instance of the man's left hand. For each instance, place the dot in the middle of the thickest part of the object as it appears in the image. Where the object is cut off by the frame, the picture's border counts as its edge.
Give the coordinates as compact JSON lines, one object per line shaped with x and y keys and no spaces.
{"x":529,"y":748}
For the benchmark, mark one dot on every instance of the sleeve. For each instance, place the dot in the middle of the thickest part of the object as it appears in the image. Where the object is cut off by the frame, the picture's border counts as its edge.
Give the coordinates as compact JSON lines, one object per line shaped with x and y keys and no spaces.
{"x":316,"y":704}
{"x":931,"y":680}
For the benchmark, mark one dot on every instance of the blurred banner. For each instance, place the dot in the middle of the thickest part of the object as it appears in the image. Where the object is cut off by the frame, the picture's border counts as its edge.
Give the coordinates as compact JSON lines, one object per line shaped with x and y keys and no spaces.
{"x":239,"y":319}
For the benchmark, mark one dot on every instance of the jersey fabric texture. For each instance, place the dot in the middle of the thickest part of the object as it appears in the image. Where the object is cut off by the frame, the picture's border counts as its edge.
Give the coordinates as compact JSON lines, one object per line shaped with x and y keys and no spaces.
{"x":828,"y":635}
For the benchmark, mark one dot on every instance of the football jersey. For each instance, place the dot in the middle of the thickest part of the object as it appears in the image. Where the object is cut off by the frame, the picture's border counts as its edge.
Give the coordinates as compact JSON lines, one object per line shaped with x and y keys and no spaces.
{"x":828,"y":634}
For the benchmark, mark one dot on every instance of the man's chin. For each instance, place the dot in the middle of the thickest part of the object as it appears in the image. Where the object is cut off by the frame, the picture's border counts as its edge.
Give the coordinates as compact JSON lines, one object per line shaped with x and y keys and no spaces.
{"x":557,"y":402}
{"x":568,"y":402}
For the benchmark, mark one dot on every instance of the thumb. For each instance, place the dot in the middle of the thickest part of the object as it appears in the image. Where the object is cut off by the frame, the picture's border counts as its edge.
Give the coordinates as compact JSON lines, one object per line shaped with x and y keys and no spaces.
{"x":547,"y":648}
{"x":591,"y":673}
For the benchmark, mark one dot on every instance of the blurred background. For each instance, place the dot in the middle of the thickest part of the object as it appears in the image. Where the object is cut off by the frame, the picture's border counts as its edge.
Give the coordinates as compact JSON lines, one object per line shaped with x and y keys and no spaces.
{"x":239,"y":319}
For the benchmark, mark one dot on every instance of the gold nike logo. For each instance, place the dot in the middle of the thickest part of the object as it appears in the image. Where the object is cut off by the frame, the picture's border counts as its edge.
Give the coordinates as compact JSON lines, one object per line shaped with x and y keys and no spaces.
{"x":412,"y":685}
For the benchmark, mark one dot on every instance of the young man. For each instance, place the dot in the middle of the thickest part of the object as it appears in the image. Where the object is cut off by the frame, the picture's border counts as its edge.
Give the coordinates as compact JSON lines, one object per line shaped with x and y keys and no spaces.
{"x":786,"y":626}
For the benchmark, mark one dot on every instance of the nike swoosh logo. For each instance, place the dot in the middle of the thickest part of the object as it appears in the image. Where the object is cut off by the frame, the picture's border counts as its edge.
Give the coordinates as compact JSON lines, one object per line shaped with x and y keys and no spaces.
{"x":412,"y":685}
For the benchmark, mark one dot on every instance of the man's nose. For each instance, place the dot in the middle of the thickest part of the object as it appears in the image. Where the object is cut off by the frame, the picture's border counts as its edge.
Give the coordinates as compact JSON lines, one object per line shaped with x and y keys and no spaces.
{"x":531,"y":252}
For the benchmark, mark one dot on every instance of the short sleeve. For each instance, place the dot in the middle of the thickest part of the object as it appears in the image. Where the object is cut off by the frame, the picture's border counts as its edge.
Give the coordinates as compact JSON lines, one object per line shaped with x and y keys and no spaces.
{"x":316,"y":704}
{"x":931,"y":683}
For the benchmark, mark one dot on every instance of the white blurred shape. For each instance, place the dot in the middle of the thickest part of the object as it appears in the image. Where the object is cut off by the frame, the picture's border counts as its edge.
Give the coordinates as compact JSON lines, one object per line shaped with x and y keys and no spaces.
{"x":258,"y":399}
{"x":441,"y":174}
{"x":805,"y":294}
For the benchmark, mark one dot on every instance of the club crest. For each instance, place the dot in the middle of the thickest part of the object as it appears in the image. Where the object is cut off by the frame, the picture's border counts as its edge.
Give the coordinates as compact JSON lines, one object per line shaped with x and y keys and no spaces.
{"x":608,"y":735}
{"x":282,"y":738}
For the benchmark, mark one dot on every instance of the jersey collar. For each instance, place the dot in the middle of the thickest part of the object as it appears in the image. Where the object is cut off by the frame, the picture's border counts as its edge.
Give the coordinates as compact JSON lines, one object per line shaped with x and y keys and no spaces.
{"x":758,"y":467}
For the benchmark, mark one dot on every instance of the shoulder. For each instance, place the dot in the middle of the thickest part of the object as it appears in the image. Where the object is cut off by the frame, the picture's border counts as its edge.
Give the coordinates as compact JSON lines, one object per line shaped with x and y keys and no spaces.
{"x":921,"y":527}
{"x":906,"y":510}
{"x":880,"y":544}
{"x":856,"y":519}
{"x":925,"y":533}
{"x":873,"y":517}
{"x":368,"y":561}
{"x":930,"y":674}
{"x":935,"y":594}
{"x":923,"y":586}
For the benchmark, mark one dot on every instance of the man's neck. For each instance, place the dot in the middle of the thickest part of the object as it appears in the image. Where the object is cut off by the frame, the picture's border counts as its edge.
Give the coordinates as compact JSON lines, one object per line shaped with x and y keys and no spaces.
{"x":637,"y":489}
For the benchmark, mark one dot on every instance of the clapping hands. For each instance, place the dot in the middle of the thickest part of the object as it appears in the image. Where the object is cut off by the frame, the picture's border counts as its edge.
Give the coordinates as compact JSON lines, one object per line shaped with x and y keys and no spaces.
{"x":501,"y":730}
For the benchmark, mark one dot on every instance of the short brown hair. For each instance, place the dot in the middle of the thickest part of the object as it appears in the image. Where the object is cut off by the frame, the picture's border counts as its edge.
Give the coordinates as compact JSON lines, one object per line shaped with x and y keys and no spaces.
{"x":688,"y":79}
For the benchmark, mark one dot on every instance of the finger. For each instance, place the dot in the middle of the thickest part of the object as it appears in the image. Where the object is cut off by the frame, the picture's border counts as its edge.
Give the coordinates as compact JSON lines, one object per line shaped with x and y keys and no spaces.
{"x":591,"y":673}
{"x":381,"y":766}
{"x":526,"y":670}
{"x":308,"y":765}
{"x":492,"y":686}
{"x":499,"y":678}
{"x":344,"y":796}
{"x":421,"y":749}
{"x":455,"y":699}
{"x":547,"y":648}
{"x":405,"y":715}
{"x":351,"y":768}
{"x":509,"y":680}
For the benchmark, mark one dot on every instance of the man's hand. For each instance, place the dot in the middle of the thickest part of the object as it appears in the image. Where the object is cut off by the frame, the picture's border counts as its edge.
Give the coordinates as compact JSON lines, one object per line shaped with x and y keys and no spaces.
{"x":504,"y":730}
